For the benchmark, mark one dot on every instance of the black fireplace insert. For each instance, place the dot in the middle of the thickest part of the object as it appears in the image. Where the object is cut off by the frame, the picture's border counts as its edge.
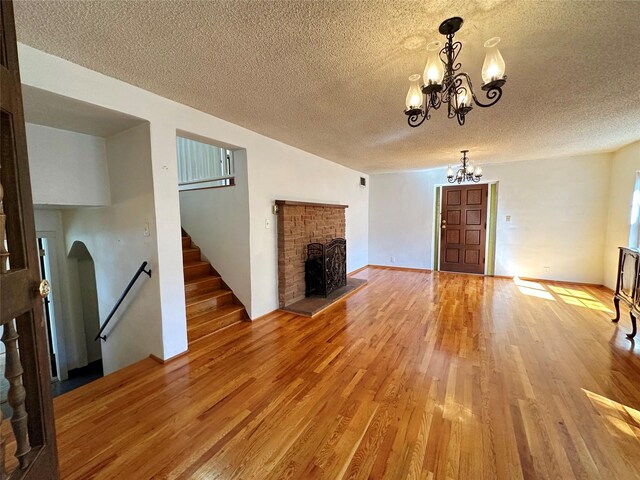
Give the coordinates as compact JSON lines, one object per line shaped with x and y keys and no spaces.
{"x":326,"y":267}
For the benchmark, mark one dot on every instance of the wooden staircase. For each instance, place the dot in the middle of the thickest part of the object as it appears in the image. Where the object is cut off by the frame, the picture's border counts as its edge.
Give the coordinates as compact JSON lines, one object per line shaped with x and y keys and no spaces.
{"x":211,"y":305}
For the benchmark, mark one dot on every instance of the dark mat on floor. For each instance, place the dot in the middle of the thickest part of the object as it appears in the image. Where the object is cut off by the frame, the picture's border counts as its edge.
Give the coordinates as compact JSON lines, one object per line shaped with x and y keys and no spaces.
{"x":312,"y":305}
{"x":78,"y":377}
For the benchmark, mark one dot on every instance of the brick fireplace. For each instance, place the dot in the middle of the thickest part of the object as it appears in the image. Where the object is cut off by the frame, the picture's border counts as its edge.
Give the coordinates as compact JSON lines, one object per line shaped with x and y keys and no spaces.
{"x":299,"y":224}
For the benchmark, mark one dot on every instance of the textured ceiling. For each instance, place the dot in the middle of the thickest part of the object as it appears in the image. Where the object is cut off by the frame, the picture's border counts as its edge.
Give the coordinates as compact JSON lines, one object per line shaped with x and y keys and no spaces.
{"x":330,"y":77}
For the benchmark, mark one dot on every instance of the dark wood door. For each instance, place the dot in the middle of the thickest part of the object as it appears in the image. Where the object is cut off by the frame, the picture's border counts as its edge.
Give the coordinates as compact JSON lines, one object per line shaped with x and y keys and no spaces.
{"x":463,"y":228}
{"x":29,"y":452}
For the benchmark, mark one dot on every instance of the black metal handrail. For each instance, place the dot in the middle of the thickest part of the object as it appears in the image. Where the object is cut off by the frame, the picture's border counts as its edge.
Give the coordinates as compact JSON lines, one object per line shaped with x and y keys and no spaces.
{"x":124,"y":294}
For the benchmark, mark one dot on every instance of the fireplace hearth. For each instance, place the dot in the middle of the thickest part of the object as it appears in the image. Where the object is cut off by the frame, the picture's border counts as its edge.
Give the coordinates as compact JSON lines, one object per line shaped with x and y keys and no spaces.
{"x":299,"y":224}
{"x":326,"y":267}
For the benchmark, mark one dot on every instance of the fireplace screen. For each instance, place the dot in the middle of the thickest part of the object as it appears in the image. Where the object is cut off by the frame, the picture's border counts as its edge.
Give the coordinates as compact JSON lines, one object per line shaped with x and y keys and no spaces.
{"x":326,"y":267}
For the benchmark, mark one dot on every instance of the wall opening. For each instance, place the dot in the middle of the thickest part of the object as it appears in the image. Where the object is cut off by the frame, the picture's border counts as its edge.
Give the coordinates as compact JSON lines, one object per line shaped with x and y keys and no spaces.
{"x":83,"y":282}
{"x":202,"y":165}
{"x":215,"y":219}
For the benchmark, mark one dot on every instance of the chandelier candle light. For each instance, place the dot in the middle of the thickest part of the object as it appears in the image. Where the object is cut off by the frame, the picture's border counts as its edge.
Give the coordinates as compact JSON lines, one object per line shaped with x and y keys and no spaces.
{"x":466,"y":172}
{"x":442,"y":83}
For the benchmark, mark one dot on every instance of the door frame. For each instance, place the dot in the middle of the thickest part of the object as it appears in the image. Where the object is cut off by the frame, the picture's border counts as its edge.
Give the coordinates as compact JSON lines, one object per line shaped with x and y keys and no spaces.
{"x":56,"y":303}
{"x":492,"y":217}
{"x":21,"y":313}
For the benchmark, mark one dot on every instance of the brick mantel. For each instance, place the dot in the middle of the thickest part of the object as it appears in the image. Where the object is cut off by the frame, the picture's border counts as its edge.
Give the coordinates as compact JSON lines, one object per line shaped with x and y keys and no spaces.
{"x":299,"y":224}
{"x":309,"y":204}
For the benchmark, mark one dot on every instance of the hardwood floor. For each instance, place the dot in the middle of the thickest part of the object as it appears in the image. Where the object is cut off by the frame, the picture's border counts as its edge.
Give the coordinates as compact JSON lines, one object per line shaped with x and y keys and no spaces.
{"x":418,"y":375}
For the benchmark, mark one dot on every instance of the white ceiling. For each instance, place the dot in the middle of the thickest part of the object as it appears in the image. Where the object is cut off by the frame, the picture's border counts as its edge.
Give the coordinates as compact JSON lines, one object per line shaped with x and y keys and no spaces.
{"x":330,"y":77}
{"x":46,"y":108}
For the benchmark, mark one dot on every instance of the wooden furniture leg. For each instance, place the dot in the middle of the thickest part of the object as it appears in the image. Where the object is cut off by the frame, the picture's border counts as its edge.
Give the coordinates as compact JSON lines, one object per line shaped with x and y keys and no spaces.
{"x":616,"y":303}
{"x":633,"y":324}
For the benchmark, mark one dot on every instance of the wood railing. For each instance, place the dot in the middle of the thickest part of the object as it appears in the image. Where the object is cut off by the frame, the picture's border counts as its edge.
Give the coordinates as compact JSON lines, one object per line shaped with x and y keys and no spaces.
{"x":13,"y":372}
{"x":16,"y":397}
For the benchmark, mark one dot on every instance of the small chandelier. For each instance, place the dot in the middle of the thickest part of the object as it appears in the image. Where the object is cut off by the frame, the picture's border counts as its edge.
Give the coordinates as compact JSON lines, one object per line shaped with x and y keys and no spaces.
{"x":466,"y":173}
{"x":441,"y":84}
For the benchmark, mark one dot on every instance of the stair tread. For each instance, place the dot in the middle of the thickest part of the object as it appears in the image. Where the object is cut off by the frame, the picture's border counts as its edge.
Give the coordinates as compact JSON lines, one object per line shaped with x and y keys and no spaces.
{"x":194,"y":263}
{"x":213,"y":314}
{"x":205,"y":290}
{"x":206,"y":296}
{"x":193,"y":281}
{"x":204,"y":330}
{"x":191,"y":254}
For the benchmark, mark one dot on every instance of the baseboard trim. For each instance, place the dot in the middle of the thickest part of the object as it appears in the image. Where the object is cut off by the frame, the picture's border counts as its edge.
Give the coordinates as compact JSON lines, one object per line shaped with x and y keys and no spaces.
{"x":402,"y":269}
{"x":357,"y":270}
{"x":164,"y":362}
{"x":261,"y":317}
{"x":531,"y":279}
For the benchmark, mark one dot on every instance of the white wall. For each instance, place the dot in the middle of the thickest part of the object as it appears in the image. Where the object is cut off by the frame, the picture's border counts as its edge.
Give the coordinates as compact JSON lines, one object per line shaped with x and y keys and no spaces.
{"x":59,"y":159}
{"x":291,"y":174}
{"x":558,"y":210}
{"x":624,"y":165}
{"x":217,"y":219}
{"x":230,"y":224}
{"x":115,"y":239}
{"x":275,"y":170}
{"x":401,"y":218}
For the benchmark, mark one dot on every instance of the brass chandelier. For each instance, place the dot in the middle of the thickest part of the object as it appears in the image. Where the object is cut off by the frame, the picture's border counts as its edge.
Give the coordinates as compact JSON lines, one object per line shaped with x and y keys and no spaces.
{"x":442,"y":83}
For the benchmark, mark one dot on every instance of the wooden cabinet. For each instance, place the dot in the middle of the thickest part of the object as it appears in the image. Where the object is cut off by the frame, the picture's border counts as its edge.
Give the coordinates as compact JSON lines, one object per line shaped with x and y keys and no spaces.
{"x":628,"y":285}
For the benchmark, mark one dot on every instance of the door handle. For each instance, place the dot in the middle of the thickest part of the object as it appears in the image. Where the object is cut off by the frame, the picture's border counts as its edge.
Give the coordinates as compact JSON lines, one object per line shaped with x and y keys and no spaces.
{"x":44,"y":288}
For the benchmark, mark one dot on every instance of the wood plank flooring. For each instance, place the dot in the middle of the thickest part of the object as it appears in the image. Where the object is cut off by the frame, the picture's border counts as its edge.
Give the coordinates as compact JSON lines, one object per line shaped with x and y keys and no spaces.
{"x":418,"y":375}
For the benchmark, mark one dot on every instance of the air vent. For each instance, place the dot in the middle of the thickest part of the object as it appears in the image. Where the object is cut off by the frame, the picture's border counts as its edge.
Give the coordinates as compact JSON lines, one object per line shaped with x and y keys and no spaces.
{"x":363,"y":182}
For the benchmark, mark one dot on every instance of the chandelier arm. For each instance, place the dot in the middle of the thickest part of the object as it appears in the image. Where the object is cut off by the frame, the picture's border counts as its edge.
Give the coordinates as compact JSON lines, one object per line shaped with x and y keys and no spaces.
{"x":460,"y":175}
{"x":449,"y":54}
{"x":450,"y":108}
{"x":493,"y":93}
{"x":453,"y":90}
{"x":435,"y":100}
{"x":416,"y":119}
{"x":456,"y":48}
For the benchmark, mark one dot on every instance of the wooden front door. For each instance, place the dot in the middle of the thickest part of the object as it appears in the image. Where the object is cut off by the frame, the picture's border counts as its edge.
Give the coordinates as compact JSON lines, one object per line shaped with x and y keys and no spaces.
{"x":463,"y":228}
{"x":29,"y":450}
